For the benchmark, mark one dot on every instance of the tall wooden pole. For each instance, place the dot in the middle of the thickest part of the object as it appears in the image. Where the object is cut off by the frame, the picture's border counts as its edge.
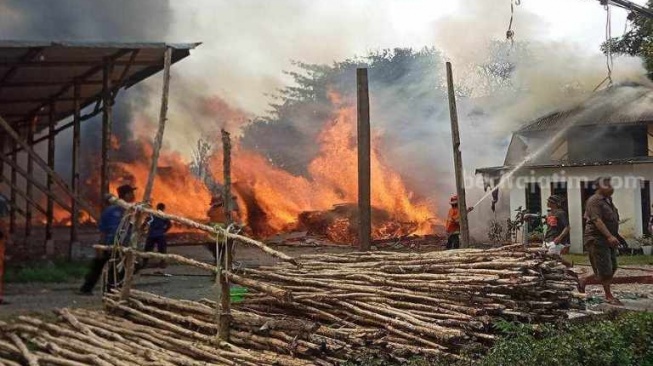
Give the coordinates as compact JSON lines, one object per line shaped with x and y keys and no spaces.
{"x":28,"y":183}
{"x":364,"y":170}
{"x":158,"y":141}
{"x":162,"y":124}
{"x":74,"y":227}
{"x":50,"y":181}
{"x":458,"y":161}
{"x":224,"y":314}
{"x":107,"y":120}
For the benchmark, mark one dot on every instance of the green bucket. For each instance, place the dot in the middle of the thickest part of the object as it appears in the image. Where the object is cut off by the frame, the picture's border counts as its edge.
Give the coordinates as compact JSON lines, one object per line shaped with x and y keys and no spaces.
{"x":237,"y":294}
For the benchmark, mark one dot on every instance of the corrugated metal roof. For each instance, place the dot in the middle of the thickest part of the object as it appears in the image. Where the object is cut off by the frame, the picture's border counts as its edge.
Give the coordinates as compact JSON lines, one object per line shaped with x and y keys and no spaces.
{"x":35,"y":74}
{"x":627,"y":103}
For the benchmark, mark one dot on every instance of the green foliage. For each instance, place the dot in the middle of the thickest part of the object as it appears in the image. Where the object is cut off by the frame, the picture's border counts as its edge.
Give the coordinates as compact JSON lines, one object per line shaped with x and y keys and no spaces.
{"x":628,"y":340}
{"x":636,"y":42}
{"x":625,"y":341}
{"x":47,"y":272}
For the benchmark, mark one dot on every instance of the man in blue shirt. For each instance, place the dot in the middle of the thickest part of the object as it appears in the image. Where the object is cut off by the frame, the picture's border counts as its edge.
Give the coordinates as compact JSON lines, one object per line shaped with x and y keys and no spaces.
{"x":157,"y":235}
{"x":108,"y":225}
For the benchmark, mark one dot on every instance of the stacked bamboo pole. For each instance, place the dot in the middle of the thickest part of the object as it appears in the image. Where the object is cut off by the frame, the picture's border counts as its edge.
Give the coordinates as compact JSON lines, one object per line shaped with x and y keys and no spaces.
{"x":84,"y":337}
{"x":401,"y":304}
{"x":437,"y":301}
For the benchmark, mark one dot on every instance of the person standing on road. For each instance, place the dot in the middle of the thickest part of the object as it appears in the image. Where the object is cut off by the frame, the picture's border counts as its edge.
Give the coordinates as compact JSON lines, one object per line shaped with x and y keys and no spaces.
{"x":453,"y":223}
{"x":108,"y":225}
{"x":601,"y":238}
{"x":156,"y":236}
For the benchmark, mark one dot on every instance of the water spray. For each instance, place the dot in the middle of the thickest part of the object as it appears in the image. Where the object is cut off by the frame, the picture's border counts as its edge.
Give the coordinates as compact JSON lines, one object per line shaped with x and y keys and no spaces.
{"x":528,"y":158}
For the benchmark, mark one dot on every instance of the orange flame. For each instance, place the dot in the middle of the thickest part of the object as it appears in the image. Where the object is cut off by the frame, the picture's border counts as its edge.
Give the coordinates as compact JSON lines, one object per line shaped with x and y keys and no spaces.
{"x":333,"y":180}
{"x":274,"y":196}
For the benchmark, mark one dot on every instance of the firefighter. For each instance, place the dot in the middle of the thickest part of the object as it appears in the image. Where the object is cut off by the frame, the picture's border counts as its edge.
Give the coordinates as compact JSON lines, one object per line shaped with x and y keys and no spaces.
{"x":453,"y":223}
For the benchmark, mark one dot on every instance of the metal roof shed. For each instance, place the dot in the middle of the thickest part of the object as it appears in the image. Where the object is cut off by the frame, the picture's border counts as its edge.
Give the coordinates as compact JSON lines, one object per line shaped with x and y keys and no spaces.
{"x":42,"y":83}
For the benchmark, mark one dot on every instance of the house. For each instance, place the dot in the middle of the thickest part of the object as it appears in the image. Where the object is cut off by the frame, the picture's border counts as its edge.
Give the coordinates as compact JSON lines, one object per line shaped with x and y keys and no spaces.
{"x":608,"y":134}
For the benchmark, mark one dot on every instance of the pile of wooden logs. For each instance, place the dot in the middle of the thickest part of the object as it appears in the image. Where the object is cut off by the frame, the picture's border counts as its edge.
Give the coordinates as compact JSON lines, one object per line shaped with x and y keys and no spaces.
{"x":427,"y":303}
{"x":327,"y":309}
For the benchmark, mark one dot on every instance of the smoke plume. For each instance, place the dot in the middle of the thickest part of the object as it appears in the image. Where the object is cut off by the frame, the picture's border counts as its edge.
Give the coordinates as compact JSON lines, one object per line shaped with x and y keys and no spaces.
{"x":247,"y":45}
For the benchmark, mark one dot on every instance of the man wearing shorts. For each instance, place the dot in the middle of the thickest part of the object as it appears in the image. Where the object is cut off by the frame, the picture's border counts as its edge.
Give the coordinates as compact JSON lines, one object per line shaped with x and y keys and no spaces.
{"x":601,"y":238}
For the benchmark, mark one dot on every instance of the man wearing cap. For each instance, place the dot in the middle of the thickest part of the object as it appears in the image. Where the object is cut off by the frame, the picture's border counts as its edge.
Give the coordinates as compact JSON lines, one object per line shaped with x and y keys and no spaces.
{"x":556,"y":238}
{"x":453,"y":223}
{"x":601,"y":237}
{"x":108,"y":225}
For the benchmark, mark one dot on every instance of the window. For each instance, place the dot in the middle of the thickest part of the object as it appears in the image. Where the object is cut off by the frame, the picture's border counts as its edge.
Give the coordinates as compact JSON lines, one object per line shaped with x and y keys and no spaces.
{"x":533,"y":198}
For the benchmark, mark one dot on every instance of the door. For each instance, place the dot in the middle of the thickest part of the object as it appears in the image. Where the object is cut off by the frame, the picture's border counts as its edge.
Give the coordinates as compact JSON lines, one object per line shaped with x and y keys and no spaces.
{"x":646,"y":206}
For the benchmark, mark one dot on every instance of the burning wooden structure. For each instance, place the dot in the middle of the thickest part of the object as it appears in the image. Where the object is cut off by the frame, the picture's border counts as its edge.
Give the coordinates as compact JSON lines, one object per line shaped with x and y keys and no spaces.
{"x":43,"y":83}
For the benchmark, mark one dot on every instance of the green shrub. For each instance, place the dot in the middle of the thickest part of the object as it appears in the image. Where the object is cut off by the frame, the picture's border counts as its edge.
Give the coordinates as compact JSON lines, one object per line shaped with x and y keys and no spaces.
{"x":49,"y":272}
{"x":625,"y":341}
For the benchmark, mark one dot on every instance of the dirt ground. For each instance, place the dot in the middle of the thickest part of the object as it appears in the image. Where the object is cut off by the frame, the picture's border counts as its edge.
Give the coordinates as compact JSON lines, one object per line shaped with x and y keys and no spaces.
{"x":190,"y":283}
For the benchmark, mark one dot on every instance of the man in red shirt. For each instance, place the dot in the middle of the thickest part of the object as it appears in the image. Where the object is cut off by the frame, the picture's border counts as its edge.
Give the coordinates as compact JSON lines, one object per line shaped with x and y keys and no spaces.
{"x":453,"y":223}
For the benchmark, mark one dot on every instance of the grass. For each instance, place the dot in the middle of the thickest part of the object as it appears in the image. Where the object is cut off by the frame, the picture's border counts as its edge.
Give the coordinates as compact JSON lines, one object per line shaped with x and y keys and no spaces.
{"x":46,"y":272}
{"x":623,"y":260}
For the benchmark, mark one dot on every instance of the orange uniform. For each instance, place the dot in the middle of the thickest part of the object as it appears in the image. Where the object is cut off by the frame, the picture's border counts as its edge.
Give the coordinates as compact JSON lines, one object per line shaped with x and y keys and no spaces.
{"x":452,"y":225}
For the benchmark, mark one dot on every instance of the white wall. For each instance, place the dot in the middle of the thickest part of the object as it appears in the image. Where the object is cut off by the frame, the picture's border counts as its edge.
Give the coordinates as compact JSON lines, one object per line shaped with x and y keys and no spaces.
{"x":626,"y":199}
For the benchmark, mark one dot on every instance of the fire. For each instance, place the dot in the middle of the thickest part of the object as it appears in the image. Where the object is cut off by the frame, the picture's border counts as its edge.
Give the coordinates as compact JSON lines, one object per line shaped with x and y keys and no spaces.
{"x":174,"y":185}
{"x":280,"y":197}
{"x":271,"y":199}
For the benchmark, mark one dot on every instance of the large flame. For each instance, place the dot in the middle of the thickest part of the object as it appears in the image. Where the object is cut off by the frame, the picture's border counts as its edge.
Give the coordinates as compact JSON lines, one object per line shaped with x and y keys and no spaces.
{"x":271,"y":199}
{"x":281,"y":197}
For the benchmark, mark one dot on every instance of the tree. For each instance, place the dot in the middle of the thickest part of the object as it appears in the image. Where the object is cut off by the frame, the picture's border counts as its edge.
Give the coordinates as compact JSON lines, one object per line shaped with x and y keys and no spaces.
{"x":636,"y":42}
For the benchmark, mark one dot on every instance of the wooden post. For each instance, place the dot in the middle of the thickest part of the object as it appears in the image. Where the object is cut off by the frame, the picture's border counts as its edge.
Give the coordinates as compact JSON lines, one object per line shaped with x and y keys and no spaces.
{"x":107,"y":119}
{"x":43,"y":165}
{"x":158,"y":141}
{"x":12,"y":198}
{"x":364,"y":170}
{"x":224,"y":313}
{"x":458,"y":161}
{"x":50,"y":181}
{"x":162,"y":124}
{"x":74,"y":227}
{"x":28,"y":183}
